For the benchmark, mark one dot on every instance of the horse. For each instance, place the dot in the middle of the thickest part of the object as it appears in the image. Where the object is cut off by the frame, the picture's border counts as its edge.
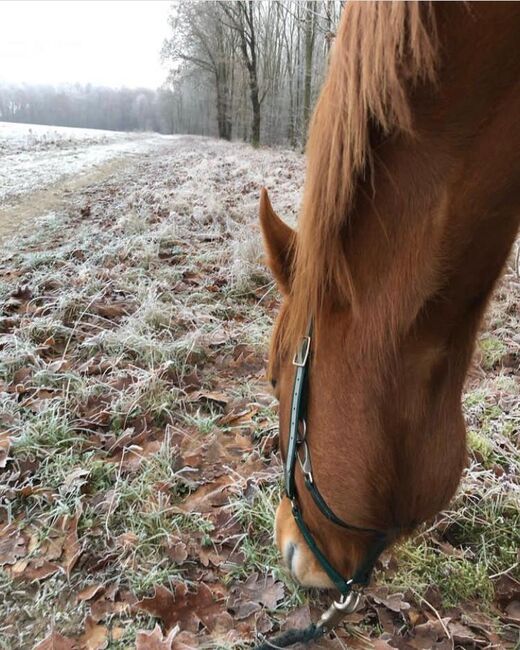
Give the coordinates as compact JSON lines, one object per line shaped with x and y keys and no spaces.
{"x":410,"y":209}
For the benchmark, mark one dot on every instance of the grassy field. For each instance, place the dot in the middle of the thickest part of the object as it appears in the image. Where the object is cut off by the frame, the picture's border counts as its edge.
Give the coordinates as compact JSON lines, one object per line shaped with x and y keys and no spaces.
{"x":139,"y":473}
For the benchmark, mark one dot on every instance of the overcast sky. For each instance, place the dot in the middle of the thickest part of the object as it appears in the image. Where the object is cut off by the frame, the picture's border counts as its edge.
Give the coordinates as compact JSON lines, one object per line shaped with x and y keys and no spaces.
{"x":107,"y":42}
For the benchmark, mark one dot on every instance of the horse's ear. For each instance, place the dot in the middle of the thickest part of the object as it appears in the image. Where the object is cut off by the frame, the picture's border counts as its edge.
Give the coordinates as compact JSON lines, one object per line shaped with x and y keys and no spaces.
{"x":279,"y":241}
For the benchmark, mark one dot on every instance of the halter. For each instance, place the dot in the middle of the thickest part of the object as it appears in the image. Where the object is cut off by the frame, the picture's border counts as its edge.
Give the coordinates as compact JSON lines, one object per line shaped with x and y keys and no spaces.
{"x":298,"y":449}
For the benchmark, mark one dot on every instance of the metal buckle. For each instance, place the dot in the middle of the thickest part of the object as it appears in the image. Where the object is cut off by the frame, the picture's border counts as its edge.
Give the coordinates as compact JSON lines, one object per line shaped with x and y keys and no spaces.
{"x":302,"y":355}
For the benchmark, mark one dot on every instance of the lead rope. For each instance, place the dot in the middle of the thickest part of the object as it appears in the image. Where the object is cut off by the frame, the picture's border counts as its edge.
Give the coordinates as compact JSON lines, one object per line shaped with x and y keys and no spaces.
{"x":328,"y":621}
{"x":311,"y":633}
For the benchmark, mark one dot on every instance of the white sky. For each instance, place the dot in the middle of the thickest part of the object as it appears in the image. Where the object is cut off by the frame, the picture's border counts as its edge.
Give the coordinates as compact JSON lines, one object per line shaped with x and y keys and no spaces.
{"x":107,"y":42}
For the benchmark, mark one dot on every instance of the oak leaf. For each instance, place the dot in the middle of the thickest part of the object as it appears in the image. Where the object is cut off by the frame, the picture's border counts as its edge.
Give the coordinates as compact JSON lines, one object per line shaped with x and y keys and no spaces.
{"x":155,"y":640}
{"x":249,"y":597}
{"x":185,"y":608}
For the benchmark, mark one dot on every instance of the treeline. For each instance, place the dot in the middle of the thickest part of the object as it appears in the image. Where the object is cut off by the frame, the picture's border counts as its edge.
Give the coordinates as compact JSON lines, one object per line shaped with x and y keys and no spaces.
{"x":248,"y":69}
{"x":239,"y":69}
{"x":117,"y":109}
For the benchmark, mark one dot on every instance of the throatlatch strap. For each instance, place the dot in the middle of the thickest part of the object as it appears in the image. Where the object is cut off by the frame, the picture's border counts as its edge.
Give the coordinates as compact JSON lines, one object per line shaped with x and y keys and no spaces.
{"x":325,"y":510}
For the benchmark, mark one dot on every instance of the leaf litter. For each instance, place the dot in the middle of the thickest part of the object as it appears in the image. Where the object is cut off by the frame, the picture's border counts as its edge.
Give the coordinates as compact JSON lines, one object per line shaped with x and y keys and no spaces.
{"x":138,"y":451}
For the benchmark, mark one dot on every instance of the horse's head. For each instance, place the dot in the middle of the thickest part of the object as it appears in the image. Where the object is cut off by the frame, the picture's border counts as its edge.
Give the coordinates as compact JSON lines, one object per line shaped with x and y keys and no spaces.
{"x":362,"y":466}
{"x":337,"y":449}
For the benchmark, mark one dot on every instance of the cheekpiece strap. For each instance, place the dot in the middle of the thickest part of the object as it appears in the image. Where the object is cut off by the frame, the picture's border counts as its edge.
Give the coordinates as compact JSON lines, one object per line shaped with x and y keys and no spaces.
{"x":298,"y":409}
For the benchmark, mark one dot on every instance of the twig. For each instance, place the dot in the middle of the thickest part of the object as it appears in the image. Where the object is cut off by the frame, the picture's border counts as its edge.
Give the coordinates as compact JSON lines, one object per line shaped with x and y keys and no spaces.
{"x":430,"y":606}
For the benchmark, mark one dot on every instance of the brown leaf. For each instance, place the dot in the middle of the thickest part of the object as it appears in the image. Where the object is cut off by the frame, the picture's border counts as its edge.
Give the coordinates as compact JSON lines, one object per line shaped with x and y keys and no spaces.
{"x":462,"y":634}
{"x":22,"y":376}
{"x":56,"y":641}
{"x":89,"y":592}
{"x":513,"y":612}
{"x":177,"y":550}
{"x":393,"y":602}
{"x":72,"y":549}
{"x":126,"y":540}
{"x":95,"y":636}
{"x":75,"y":478}
{"x":186,"y":641}
{"x":111,"y":603}
{"x":209,"y":496}
{"x":5,"y":446}
{"x":12,"y":545}
{"x":155,"y":640}
{"x":113,"y":310}
{"x":481,"y":622}
{"x":429,"y":634}
{"x":186,"y":609}
{"x":298,"y":618}
{"x":249,"y":596}
{"x":38,"y":569}
{"x":211,"y":396}
{"x":507,"y":589}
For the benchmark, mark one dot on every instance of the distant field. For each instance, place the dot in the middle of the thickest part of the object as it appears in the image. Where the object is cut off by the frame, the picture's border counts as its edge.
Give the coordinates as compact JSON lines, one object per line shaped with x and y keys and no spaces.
{"x":34,"y":156}
{"x":138,"y":452}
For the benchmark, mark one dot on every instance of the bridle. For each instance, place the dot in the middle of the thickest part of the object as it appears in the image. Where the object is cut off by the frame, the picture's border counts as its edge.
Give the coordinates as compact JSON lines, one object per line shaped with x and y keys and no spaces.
{"x":298,"y":449}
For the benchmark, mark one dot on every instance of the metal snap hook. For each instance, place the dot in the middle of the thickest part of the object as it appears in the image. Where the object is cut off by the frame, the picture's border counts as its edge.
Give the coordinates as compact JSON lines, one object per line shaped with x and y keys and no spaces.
{"x":302,"y":434}
{"x":339,"y":609}
{"x":305,"y":464}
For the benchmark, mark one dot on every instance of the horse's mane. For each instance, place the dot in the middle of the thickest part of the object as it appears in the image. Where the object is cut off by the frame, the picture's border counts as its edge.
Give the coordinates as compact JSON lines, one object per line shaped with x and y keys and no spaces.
{"x":381,"y":50}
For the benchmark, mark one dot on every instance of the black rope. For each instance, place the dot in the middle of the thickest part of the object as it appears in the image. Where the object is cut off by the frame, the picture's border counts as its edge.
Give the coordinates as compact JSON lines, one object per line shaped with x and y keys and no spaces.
{"x":310,"y":633}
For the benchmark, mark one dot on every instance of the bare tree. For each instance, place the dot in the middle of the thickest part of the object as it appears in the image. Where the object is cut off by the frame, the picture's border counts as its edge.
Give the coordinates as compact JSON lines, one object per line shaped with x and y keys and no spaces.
{"x":202,"y":40}
{"x":258,"y":65}
{"x":242,"y":20}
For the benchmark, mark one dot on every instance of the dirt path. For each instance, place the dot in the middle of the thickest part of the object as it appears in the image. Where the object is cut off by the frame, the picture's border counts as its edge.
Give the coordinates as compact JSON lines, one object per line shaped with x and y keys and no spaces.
{"x":40,"y":167}
{"x":19,"y":213}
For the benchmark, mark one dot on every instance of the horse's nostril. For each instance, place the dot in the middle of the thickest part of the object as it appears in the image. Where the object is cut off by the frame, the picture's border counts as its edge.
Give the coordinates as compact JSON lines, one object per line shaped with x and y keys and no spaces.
{"x":289,"y":554}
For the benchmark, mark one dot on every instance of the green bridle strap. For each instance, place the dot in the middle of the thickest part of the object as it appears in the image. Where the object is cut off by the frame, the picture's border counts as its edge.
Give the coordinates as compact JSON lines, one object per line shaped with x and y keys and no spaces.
{"x":342,"y":585}
{"x":296,"y":439}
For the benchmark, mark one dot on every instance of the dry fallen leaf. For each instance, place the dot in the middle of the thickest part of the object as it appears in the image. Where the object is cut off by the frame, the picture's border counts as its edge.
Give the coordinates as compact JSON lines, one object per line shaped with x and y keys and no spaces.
{"x":12,"y":544}
{"x":187,"y":608}
{"x":393,"y":602}
{"x":513,"y":612}
{"x":507,"y":589}
{"x":256,"y":591}
{"x":208,"y":496}
{"x":56,"y":641}
{"x":89,"y":592}
{"x":211,"y":396}
{"x":95,"y":636}
{"x":155,"y":640}
{"x":5,"y":446}
{"x":71,"y":548}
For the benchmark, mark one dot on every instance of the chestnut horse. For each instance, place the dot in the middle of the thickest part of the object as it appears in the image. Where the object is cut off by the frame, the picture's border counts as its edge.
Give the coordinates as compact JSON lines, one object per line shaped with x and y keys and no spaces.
{"x":410,"y":209}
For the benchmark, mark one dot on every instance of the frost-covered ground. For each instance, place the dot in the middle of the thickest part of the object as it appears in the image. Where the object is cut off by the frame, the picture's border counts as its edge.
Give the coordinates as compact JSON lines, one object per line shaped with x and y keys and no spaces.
{"x":138,"y":452}
{"x":35,"y":156}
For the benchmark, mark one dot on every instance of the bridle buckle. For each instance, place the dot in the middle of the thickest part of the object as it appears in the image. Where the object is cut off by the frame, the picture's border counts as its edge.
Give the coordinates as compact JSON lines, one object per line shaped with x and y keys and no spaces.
{"x":302,"y":355}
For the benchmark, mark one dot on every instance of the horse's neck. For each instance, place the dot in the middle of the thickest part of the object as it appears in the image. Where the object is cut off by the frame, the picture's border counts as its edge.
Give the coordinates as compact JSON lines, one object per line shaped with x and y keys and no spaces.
{"x":426,"y":250}
{"x":428,"y":245}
